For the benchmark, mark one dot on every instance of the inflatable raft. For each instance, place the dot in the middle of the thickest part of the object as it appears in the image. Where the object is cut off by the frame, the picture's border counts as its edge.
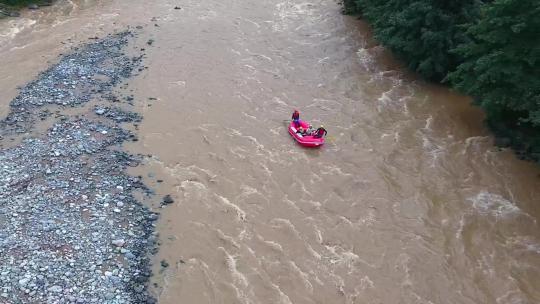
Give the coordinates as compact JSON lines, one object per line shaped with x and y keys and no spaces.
{"x":305,"y":140}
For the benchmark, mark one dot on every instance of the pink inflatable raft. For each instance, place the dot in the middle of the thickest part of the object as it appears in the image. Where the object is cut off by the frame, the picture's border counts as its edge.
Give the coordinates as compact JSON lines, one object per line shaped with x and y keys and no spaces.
{"x":305,"y":140}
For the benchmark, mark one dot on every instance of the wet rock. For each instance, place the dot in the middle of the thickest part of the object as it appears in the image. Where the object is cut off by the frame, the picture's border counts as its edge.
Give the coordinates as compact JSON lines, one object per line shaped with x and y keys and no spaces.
{"x":118,"y":243}
{"x":55,"y":289}
{"x":167,"y":200}
{"x":33,"y":6}
{"x":164,"y":264}
{"x":177,"y":7}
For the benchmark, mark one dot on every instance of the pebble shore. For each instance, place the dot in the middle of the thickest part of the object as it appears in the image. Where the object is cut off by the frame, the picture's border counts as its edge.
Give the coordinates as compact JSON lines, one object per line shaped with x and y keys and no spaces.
{"x":71,"y":230}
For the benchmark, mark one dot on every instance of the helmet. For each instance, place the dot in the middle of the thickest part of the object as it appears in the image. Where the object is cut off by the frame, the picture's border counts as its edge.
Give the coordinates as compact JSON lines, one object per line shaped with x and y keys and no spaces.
{"x":322,"y":126}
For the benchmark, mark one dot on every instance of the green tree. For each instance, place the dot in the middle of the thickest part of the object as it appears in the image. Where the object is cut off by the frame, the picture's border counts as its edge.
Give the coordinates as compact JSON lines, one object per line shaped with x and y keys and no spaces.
{"x":421,"y":32}
{"x":501,"y":70}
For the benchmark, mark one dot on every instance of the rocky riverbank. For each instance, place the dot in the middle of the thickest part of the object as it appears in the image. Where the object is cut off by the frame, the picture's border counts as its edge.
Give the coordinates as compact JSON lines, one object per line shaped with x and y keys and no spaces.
{"x":71,"y":230}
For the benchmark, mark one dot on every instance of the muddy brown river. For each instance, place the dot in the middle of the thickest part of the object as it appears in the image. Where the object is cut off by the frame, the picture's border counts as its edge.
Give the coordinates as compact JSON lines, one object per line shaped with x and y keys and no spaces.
{"x":408,"y":202}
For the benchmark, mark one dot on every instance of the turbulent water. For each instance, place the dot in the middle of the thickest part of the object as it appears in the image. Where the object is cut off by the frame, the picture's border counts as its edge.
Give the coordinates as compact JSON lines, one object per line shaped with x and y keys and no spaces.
{"x":409,"y":202}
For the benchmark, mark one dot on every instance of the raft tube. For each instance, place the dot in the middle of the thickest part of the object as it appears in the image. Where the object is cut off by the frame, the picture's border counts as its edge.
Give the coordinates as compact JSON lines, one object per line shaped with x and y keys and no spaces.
{"x":306,"y":141}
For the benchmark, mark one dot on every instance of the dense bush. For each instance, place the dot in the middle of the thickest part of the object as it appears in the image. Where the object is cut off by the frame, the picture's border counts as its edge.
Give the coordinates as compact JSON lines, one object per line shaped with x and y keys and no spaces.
{"x":421,"y":32}
{"x":487,"y":49}
{"x":20,"y":3}
{"x":502,"y":70}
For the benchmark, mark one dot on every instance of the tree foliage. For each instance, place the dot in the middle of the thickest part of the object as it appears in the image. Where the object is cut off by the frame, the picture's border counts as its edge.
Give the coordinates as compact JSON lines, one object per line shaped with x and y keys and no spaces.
{"x":22,"y":3}
{"x":421,"y":32}
{"x":488,"y":49}
{"x":502,"y":70}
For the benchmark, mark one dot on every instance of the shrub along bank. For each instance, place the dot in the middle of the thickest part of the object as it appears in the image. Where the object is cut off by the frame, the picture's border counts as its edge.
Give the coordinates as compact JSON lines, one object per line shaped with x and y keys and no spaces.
{"x":489,"y":50}
{"x":14,"y":4}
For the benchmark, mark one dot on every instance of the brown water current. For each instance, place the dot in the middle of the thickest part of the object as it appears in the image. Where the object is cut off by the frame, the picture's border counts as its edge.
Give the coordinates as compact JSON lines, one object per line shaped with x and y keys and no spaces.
{"x":409,"y":201}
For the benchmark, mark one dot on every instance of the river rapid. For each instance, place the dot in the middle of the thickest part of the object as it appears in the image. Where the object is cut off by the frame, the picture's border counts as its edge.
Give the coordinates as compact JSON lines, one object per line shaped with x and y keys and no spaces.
{"x":409,"y":201}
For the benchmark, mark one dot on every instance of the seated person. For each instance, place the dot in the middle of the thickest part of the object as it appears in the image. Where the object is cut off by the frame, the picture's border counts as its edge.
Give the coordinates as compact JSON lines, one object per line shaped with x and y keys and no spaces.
{"x":301,"y":131}
{"x":320,"y":132}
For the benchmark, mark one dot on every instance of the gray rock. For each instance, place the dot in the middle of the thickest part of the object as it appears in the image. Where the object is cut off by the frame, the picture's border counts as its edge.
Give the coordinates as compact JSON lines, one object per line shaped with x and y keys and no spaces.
{"x":167,"y":200}
{"x":55,"y":289}
{"x":119,"y":242}
{"x":23,"y":282}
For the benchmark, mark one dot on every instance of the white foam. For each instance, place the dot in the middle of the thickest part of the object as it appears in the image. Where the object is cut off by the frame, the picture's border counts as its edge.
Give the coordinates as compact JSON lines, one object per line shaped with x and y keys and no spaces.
{"x":366,"y":282}
{"x":365,"y":58}
{"x":15,"y":27}
{"x":280,"y":102}
{"x":292,"y":204}
{"x":286,"y":12}
{"x":209,"y":14}
{"x":244,"y":234}
{"x":429,"y":121}
{"x":525,"y":242}
{"x":493,"y":204}
{"x":370,"y":218}
{"x":274,"y":245}
{"x":342,"y":256}
{"x":283,"y":298}
{"x":60,"y":22}
{"x":236,"y":52}
{"x":303,"y":275}
{"x":472,"y":141}
{"x":334,"y":169}
{"x":249,"y":116}
{"x":250,"y":21}
{"x":281,"y":222}
{"x":247,"y":192}
{"x":512,"y":297}
{"x":227,"y":238}
{"x":319,"y":236}
{"x":314,"y":253}
{"x":238,"y":277}
{"x":180,"y":83}
{"x":241,"y":214}
{"x":459,"y":231}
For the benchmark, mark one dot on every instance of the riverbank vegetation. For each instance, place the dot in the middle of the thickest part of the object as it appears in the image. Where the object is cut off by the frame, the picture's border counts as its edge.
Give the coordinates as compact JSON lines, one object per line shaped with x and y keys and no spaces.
{"x":21,"y":3}
{"x":487,"y":49}
{"x":8,"y":5}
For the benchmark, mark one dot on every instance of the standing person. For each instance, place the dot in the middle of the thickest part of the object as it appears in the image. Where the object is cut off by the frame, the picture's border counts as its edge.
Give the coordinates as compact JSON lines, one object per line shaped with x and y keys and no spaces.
{"x":320,"y":132}
{"x":296,"y":118}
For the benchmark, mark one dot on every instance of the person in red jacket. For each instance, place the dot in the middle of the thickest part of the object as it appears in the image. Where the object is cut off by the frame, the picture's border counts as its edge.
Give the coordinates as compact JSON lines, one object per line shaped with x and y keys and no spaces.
{"x":296,"y":118}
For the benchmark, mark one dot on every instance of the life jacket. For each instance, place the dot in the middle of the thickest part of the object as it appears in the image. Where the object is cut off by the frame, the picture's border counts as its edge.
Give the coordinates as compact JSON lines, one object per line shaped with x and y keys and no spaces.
{"x":320,"y":132}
